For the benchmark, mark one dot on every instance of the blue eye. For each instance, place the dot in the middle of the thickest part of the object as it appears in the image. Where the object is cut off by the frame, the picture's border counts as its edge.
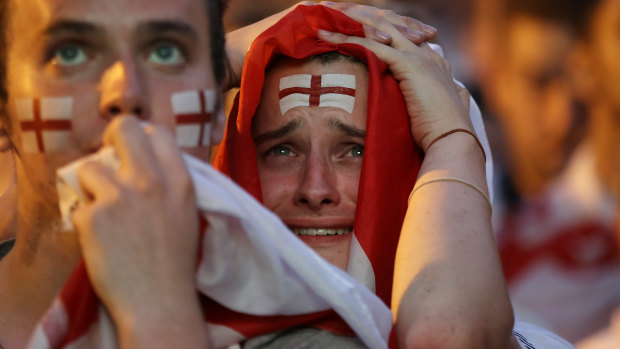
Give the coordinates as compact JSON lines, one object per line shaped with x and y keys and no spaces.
{"x":69,"y":55}
{"x":281,"y":150}
{"x":357,"y":151}
{"x":166,"y":54}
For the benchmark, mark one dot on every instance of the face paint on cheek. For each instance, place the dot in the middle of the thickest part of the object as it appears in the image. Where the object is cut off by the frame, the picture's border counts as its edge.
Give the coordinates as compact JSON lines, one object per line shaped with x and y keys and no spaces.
{"x":45,"y":123}
{"x":328,"y":90}
{"x":193,"y":111}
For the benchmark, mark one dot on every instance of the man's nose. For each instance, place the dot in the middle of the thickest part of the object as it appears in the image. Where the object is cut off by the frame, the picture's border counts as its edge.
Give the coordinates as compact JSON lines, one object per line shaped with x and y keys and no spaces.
{"x":122,"y":91}
{"x":319,"y":184}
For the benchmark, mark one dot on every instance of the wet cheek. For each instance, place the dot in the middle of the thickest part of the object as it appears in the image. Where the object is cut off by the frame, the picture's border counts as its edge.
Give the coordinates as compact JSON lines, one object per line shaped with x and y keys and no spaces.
{"x":350,"y":185}
{"x":277,"y":190}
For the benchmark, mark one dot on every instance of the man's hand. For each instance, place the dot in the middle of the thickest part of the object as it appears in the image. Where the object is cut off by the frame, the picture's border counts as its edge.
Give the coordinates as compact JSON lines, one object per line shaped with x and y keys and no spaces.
{"x":238,"y":42}
{"x":139,"y":236}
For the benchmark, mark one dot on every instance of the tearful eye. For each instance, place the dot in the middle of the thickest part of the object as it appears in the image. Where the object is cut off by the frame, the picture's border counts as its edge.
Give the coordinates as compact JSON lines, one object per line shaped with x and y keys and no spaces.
{"x":69,"y":55}
{"x":166,"y":54}
{"x":357,"y":151}
{"x":281,"y":150}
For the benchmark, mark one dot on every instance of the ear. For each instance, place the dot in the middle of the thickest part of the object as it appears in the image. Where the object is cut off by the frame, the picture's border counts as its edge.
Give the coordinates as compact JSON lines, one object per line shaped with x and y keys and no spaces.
{"x":581,"y":72}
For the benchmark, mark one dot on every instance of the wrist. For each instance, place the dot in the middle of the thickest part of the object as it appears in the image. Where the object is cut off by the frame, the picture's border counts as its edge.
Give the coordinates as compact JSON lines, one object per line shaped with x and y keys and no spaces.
{"x":176,"y":322}
{"x":457,"y":146}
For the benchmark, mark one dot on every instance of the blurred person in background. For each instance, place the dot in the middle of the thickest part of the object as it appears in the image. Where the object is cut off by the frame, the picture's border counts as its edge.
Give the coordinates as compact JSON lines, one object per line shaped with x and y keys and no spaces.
{"x":555,"y":222}
{"x":597,"y":72}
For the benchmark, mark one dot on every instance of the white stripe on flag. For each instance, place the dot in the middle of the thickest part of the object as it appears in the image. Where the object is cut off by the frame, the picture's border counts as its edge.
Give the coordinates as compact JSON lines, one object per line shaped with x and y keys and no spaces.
{"x":294,"y":100}
{"x":337,"y":100}
{"x":299,"y":80}
{"x":360,"y":267}
{"x":56,"y":108}
{"x":338,"y":80}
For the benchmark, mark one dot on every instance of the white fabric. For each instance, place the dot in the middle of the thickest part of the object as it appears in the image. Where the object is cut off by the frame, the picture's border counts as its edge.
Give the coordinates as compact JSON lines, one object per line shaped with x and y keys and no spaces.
{"x":253,"y":264}
{"x":533,"y":337}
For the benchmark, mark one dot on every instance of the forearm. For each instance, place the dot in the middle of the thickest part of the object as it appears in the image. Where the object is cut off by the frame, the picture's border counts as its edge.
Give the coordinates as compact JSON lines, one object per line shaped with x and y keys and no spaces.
{"x":449,"y":289}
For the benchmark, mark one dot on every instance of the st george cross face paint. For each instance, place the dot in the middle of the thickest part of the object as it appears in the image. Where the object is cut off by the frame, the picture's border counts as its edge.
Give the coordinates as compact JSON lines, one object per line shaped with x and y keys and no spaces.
{"x":45,"y":123}
{"x":193,"y":111}
{"x":328,"y":90}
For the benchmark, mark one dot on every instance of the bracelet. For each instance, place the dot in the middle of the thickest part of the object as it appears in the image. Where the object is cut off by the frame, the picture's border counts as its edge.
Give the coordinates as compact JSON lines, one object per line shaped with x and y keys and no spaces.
{"x":443,"y":135}
{"x":451,"y":179}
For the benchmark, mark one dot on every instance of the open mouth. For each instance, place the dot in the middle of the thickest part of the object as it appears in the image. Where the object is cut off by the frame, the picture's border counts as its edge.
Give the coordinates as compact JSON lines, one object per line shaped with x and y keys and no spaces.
{"x":321,"y":231}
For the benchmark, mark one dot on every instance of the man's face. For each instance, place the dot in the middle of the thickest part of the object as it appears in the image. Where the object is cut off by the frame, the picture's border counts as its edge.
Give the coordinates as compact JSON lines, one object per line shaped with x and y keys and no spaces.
{"x":533,"y":97}
{"x":310,"y":158}
{"x":113,"y":57}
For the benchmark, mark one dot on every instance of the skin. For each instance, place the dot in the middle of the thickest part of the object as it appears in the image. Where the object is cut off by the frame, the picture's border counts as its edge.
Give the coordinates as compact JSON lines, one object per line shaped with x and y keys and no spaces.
{"x":529,"y":87}
{"x":310,"y":174}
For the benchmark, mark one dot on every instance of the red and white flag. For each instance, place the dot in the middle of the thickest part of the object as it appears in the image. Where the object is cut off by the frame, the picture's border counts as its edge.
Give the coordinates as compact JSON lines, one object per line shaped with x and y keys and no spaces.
{"x":328,"y":90}
{"x":250,"y":276}
{"x":45,"y":123}
{"x":193,"y":110}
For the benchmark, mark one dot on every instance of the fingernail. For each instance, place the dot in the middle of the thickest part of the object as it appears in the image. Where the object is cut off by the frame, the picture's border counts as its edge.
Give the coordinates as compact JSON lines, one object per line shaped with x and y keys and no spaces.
{"x":416,"y":35}
{"x":382,"y":35}
{"x":322,"y":32}
{"x":429,"y":29}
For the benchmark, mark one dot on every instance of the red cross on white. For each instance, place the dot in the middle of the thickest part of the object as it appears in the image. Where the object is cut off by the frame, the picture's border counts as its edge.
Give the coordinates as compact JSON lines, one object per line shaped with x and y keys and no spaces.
{"x":45,"y":123}
{"x":328,"y":90}
{"x":193,"y":110}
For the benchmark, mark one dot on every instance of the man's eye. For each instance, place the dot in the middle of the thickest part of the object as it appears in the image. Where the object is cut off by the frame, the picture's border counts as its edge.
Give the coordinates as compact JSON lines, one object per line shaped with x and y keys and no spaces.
{"x":357,"y":151}
{"x":166,"y":54}
{"x":280,"y":150}
{"x":69,"y":55}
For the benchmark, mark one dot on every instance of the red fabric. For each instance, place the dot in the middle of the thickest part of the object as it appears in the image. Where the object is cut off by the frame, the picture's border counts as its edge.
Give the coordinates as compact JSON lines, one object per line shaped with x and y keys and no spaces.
{"x":585,"y":246}
{"x":391,"y":160}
